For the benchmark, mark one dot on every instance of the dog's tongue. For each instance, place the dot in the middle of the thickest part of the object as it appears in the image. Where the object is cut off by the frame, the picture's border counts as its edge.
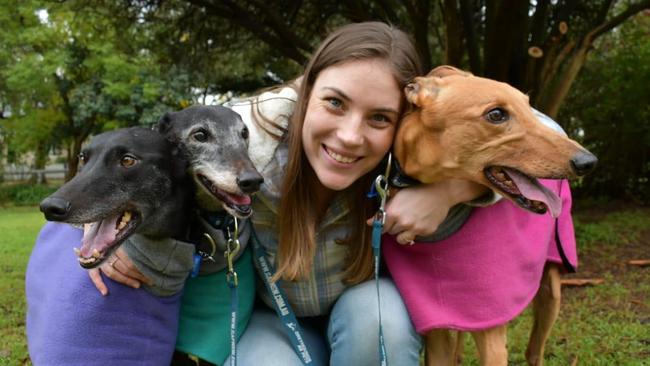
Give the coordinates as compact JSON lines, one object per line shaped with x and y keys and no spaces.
{"x":98,"y":235}
{"x":239,"y":200}
{"x":535,"y":191}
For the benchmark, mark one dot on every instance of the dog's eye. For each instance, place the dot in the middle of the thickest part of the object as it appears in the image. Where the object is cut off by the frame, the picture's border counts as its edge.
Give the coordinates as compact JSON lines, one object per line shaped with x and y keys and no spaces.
{"x":244,"y":133}
{"x":200,"y":136}
{"x":128,"y":161}
{"x":497,"y":115}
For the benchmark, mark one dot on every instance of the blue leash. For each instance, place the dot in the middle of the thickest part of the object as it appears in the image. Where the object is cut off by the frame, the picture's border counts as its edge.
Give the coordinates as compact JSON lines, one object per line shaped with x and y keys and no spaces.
{"x":280,"y":303}
{"x":380,"y":187}
{"x":232,"y":248}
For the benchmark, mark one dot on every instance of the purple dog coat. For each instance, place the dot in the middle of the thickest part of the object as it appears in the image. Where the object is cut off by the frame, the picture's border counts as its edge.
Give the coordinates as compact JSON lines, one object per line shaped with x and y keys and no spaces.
{"x":70,"y":323}
{"x":485,"y":274}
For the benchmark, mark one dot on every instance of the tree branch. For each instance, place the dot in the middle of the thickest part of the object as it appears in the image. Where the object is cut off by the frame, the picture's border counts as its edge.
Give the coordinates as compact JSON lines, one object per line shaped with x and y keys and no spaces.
{"x":279,"y":26}
{"x":250,"y":21}
{"x":389,"y":11}
{"x":618,"y":19}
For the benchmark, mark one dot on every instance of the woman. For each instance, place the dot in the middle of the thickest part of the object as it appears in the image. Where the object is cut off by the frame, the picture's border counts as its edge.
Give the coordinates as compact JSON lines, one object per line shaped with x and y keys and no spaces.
{"x":311,"y":213}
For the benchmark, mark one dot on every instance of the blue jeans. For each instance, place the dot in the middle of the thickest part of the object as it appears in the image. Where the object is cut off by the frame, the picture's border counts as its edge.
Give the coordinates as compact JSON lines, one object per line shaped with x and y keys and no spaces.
{"x":348,"y":337}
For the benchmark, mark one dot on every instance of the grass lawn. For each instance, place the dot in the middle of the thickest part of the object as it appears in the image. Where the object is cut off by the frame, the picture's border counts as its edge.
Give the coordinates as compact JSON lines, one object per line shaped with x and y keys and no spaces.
{"x":18,"y":229}
{"x":607,"y":324}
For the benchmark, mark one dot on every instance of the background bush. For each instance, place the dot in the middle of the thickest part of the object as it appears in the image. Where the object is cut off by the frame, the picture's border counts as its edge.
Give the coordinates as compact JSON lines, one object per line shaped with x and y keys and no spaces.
{"x":24,"y":194}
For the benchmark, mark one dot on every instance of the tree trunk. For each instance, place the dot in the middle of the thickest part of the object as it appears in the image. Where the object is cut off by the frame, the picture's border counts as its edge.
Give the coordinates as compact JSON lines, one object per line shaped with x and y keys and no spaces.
{"x":563,"y":81}
{"x":471,"y":39}
{"x":505,"y":38}
{"x":40,"y":160}
{"x":419,"y":16}
{"x":453,"y":34}
{"x":73,"y":157}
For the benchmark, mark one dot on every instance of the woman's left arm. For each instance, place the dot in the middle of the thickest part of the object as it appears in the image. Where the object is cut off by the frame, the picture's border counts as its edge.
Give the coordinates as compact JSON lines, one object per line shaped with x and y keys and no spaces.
{"x":419,"y":210}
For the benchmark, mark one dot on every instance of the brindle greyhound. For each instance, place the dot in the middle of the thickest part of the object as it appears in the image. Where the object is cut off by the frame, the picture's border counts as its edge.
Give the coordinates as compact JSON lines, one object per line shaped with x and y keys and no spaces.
{"x":485,"y":131}
{"x":215,"y":140}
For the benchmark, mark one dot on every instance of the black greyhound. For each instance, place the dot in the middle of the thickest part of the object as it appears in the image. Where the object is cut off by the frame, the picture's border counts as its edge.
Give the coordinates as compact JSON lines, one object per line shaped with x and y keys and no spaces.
{"x":131,"y":180}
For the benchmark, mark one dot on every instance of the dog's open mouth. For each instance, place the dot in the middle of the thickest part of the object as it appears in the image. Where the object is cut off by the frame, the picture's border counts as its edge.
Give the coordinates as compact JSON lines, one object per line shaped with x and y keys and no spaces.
{"x":236,"y":204}
{"x":525,"y":190}
{"x":102,"y":237}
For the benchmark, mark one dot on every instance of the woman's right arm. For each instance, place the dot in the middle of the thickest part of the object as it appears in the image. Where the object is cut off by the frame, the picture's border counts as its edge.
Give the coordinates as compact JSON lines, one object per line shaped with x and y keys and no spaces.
{"x":161,"y":264}
{"x":119,"y":268}
{"x":419,"y":210}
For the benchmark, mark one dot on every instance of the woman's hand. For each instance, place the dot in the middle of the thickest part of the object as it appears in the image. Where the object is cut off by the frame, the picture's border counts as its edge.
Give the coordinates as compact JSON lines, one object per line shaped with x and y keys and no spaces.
{"x":419,"y":210}
{"x":119,"y":268}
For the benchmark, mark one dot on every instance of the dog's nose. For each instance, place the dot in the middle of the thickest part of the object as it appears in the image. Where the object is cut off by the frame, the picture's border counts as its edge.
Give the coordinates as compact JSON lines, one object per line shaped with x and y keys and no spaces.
{"x":250,"y":182}
{"x":55,"y":209}
{"x":583,"y":162}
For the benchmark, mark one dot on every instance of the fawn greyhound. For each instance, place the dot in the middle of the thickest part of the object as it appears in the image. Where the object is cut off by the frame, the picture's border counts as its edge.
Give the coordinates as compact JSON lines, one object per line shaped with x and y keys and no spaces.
{"x":467,"y":127}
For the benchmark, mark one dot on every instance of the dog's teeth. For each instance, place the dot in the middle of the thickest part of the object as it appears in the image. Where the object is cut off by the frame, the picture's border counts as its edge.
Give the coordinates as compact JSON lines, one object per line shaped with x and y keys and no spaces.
{"x":96,"y":253}
{"x":77,"y":251}
{"x":500,"y":176}
{"x":126,"y":217}
{"x":86,"y":260}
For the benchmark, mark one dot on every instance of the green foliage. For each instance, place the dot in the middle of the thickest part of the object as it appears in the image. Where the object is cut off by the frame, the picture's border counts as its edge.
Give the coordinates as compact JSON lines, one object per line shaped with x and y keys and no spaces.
{"x":609,"y":105}
{"x":24,"y":194}
{"x":76,"y":74}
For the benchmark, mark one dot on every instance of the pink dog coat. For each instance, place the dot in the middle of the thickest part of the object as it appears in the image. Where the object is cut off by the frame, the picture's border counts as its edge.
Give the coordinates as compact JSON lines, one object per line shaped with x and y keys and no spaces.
{"x":485,"y":274}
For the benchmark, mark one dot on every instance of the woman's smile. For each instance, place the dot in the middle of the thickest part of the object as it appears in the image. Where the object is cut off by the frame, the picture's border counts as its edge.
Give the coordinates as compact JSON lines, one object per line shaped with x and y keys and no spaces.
{"x":343,"y":158}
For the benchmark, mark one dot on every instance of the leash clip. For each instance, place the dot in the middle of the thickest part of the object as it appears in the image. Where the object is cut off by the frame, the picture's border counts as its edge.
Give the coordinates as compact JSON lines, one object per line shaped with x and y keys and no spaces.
{"x":381,"y":187}
{"x":213,"y":245}
{"x":201,"y":256}
{"x":232,"y":248}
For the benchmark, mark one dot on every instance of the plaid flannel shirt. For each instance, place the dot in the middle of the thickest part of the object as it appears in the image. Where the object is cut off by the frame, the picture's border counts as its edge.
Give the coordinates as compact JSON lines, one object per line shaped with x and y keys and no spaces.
{"x":316,"y":294}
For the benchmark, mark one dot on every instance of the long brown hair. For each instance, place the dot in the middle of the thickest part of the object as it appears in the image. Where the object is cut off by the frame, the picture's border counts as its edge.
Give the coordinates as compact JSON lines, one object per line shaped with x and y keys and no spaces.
{"x":297,"y":212}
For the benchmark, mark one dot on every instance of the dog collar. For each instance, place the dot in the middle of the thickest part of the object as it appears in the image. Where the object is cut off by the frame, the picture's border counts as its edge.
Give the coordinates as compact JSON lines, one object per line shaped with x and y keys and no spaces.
{"x":219,"y":220}
{"x":399,"y":179}
{"x":215,"y":224}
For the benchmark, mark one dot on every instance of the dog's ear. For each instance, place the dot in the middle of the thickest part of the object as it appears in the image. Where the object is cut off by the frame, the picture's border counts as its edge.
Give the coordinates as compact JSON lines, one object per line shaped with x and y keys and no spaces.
{"x":180,"y":162}
{"x":164,"y":123}
{"x":446,"y":70}
{"x":421,"y":90}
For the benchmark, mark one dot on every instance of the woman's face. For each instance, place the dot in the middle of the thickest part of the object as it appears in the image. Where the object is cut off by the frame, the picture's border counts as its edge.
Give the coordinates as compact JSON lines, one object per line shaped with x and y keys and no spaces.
{"x":350,"y":120}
